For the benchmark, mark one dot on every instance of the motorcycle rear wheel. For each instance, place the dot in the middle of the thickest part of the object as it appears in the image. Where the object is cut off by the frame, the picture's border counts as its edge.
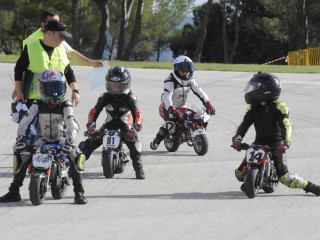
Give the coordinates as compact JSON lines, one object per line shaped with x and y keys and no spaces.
{"x":251,"y":183}
{"x":200,"y":144}
{"x":171,"y":144}
{"x":108,"y":165}
{"x":37,"y":190}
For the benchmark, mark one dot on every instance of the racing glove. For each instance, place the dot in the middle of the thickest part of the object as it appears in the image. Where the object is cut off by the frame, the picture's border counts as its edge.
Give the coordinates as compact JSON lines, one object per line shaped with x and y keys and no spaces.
{"x":281,"y":149}
{"x":175,"y":112}
{"x":91,"y":128}
{"x":131,"y":134}
{"x":236,"y":142}
{"x":209,"y":108}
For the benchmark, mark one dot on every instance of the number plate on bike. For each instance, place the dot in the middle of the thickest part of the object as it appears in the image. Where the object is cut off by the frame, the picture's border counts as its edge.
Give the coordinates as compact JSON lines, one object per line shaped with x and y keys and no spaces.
{"x":111,"y":141}
{"x":40,"y":160}
{"x":255,"y":154}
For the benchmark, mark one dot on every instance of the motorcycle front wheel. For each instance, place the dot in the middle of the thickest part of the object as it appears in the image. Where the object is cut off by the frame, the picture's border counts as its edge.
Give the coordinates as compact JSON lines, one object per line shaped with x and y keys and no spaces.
{"x":37,"y":190}
{"x":171,"y":144}
{"x":59,"y":190}
{"x":108,"y":165}
{"x":200,"y":144}
{"x":251,"y":183}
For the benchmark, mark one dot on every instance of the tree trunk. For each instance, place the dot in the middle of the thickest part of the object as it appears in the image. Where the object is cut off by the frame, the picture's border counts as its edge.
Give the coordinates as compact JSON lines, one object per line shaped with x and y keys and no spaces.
{"x":126,"y":6}
{"x":236,"y":35}
{"x":75,"y":25}
{"x":104,"y":26}
{"x":224,"y":31}
{"x":203,"y":33}
{"x":136,"y":31}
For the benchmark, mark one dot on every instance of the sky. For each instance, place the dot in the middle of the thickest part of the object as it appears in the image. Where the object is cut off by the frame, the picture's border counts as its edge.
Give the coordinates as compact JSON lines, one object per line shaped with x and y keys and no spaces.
{"x":199,"y":2}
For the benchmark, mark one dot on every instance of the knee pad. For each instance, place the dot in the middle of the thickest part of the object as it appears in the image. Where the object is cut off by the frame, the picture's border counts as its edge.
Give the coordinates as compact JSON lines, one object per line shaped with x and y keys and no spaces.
{"x":138,"y":146}
{"x":169,"y":127}
{"x":292,"y":180}
{"x":79,"y":162}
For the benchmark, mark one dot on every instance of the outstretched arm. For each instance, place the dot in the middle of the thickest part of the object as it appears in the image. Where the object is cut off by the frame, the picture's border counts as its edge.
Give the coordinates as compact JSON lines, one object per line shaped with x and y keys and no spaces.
{"x":83,"y":60}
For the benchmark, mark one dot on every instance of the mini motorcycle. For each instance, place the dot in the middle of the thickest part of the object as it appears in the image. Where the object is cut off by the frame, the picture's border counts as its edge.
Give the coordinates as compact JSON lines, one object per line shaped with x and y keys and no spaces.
{"x":260,"y":171}
{"x":114,"y":157}
{"x":191,"y":128}
{"x":49,"y":170}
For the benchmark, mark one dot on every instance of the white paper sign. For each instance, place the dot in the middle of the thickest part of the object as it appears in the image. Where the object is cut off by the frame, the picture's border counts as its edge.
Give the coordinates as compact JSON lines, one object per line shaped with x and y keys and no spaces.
{"x":97,"y":75}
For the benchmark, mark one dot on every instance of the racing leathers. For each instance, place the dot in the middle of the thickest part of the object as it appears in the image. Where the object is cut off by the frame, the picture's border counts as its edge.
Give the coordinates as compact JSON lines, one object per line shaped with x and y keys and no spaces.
{"x":57,"y":125}
{"x":273,"y":128}
{"x":175,"y":96}
{"x":120,"y":108}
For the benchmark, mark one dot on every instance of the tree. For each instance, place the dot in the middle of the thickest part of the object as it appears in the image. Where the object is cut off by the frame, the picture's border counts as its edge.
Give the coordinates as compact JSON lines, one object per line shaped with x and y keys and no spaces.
{"x":136,"y":31}
{"x":126,"y":6}
{"x":203,"y":33}
{"x":104,"y":26}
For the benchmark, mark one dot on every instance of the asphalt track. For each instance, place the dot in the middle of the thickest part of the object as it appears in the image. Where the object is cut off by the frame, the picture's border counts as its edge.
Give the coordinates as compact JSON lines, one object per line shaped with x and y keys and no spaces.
{"x":184,"y":196}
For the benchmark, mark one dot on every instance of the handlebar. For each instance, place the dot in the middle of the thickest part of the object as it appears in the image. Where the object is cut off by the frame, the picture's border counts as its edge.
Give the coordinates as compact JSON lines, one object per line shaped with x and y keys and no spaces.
{"x":246,"y":146}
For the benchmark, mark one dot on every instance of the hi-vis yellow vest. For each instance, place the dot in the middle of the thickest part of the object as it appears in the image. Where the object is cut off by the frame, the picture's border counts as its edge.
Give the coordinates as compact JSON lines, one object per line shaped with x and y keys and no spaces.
{"x":34,"y":36}
{"x":39,"y":61}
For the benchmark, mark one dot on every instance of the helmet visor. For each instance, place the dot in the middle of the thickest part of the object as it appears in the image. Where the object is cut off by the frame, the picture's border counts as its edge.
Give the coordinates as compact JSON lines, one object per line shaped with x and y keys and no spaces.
{"x":54,"y":88}
{"x":251,"y":86}
{"x":184,"y":66}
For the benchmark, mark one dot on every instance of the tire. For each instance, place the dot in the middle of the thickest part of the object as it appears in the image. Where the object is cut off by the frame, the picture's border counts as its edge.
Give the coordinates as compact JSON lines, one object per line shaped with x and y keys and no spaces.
{"x":59,"y":191}
{"x":273,"y":182}
{"x":108,"y":165}
{"x":171,"y":144}
{"x":200,"y":144}
{"x":37,"y":190}
{"x":251,"y":188}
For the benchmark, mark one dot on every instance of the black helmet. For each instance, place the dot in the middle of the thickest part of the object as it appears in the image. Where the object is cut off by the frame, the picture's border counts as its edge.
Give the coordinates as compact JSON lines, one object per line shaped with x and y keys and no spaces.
{"x":52,"y":86}
{"x":118,"y":80}
{"x":262,"y":87}
{"x":184,"y":64}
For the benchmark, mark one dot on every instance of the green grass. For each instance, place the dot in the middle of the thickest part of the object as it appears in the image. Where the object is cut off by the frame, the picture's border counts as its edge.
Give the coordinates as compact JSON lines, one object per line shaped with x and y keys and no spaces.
{"x":202,"y":66}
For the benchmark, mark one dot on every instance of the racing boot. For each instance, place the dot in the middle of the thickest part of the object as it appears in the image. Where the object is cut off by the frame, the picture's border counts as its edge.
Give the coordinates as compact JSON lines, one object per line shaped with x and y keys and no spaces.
{"x":11,"y":196}
{"x":311,"y":187}
{"x":155,"y":143}
{"x":140,"y":173}
{"x":79,"y":198}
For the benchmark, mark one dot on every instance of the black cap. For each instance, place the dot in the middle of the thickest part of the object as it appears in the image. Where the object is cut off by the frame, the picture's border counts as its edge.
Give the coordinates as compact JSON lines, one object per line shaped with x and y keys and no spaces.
{"x":59,"y":26}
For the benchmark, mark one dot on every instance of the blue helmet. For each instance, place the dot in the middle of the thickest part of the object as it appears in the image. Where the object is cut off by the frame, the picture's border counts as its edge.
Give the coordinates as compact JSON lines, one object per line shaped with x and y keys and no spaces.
{"x":52,"y":86}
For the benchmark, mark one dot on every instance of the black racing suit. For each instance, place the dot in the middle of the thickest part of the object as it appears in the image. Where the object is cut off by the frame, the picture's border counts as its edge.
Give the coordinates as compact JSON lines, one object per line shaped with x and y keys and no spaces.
{"x":272,"y":126}
{"x":119,"y":109}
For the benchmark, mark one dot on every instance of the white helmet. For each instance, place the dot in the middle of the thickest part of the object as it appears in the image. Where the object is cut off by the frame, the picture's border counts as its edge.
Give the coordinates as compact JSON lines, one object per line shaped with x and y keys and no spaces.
{"x":185,"y":64}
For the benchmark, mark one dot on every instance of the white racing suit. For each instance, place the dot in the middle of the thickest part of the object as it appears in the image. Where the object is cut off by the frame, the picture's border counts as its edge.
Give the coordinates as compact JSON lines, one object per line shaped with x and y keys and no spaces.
{"x":175,"y":94}
{"x":56,"y":124}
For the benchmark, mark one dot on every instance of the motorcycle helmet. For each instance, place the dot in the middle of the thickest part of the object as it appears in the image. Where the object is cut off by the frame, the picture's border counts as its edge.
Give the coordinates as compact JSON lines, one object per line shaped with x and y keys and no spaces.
{"x":184,"y":64}
{"x":118,"y":80}
{"x":262,"y":87}
{"x":52,"y":86}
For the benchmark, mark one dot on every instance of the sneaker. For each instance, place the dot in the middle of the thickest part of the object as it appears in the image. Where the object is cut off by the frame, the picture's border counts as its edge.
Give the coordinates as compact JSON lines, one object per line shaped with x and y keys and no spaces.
{"x":155,"y":144}
{"x":11,"y":196}
{"x":315,"y":189}
{"x":239,"y":175}
{"x":79,"y":198}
